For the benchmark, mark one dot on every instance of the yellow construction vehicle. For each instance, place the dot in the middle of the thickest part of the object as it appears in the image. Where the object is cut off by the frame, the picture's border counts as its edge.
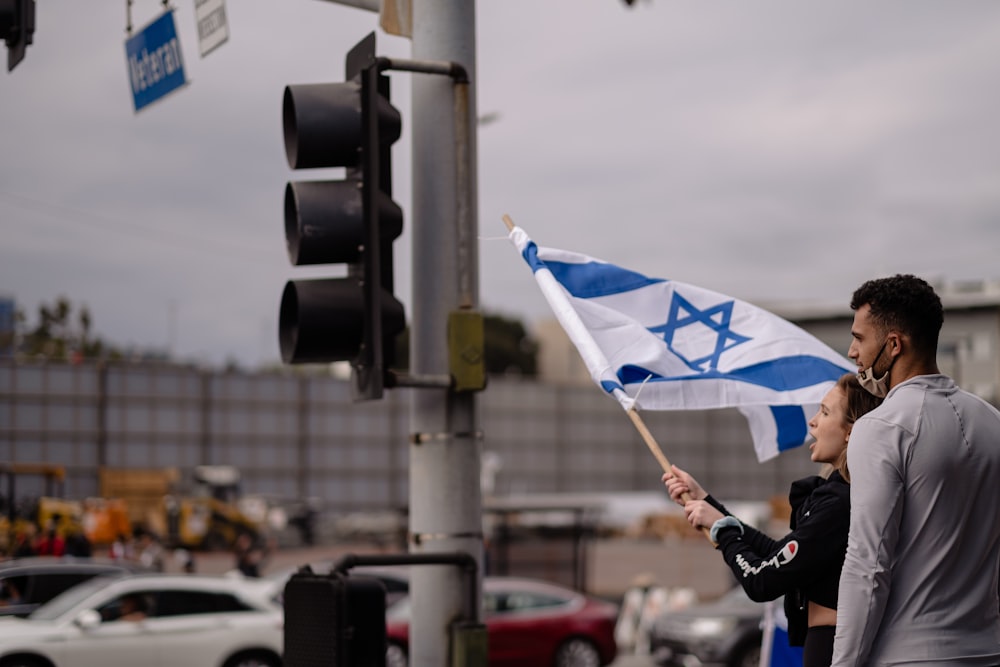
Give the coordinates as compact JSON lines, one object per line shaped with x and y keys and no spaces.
{"x":208,"y":513}
{"x":22,"y":518}
{"x":213,"y":515}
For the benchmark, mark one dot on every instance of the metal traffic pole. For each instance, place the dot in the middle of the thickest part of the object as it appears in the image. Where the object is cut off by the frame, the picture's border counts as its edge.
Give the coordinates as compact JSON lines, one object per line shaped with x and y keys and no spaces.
{"x":445,"y":449}
{"x":445,"y":440}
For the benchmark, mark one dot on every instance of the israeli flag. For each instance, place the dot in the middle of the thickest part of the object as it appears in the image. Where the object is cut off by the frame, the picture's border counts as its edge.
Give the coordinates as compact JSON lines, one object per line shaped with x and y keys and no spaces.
{"x":664,"y":345}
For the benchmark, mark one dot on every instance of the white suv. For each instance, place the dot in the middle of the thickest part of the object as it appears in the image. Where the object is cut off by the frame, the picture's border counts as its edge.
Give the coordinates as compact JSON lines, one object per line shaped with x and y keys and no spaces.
{"x":154,"y":620}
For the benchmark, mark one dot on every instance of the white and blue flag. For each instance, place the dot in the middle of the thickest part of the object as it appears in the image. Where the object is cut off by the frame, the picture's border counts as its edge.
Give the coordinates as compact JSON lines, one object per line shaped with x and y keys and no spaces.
{"x":684,"y":347}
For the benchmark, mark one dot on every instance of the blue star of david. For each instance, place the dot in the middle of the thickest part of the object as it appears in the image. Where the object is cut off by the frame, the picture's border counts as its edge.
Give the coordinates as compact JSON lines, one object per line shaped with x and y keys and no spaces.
{"x":717,"y":318}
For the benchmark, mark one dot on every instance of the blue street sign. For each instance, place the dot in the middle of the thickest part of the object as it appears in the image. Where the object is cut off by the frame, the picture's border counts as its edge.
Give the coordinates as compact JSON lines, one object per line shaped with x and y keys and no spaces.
{"x":155,"y":63}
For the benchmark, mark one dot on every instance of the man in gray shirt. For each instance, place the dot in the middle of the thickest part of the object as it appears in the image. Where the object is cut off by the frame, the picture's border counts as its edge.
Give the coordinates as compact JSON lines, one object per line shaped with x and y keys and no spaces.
{"x":919,"y":584}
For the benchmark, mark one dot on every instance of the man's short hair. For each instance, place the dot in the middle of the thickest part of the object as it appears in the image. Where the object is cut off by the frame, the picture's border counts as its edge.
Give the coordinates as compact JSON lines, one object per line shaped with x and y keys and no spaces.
{"x":904,"y":303}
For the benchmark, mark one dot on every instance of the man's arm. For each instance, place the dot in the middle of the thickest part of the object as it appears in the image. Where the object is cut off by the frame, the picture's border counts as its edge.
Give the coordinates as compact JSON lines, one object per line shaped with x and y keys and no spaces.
{"x":876,"y":465}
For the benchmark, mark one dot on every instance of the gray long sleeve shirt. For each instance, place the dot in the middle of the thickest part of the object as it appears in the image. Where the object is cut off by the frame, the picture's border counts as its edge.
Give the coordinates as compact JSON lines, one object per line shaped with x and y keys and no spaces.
{"x":919,"y":584}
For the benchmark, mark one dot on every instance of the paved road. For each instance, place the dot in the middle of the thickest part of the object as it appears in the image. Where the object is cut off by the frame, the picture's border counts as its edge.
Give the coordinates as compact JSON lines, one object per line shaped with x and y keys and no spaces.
{"x":633,"y":661}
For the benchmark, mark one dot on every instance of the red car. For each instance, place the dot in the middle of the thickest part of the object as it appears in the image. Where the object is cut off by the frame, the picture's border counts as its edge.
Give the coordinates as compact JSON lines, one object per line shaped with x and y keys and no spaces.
{"x":531,"y":623}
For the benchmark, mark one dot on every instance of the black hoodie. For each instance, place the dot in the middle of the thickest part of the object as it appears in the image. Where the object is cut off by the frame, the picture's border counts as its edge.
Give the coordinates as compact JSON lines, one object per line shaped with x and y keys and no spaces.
{"x":805,"y":564}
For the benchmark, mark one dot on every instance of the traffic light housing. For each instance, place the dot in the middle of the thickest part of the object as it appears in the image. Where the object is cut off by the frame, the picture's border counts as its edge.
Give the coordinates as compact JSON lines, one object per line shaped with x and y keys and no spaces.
{"x":17,"y":27}
{"x":351,"y":221}
{"x":334,"y":620}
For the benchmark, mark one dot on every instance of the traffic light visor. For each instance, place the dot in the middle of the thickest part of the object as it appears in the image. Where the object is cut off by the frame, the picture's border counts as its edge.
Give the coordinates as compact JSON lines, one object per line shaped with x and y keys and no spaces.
{"x":323,"y":125}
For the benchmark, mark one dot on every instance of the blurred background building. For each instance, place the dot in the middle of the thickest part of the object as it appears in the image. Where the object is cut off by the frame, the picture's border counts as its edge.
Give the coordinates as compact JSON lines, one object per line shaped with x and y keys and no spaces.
{"x":294,"y":434}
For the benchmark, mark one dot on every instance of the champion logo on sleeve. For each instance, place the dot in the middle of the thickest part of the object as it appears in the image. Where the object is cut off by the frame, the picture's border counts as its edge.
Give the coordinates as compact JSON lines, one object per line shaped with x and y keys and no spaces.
{"x":788,"y":552}
{"x":783,"y":557}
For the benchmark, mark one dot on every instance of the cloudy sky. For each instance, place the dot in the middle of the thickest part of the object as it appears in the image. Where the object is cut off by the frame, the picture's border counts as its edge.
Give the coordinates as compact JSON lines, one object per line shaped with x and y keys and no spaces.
{"x":773,"y":151}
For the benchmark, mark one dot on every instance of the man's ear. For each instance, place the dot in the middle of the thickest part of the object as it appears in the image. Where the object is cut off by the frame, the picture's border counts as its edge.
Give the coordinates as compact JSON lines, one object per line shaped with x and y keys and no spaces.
{"x":894,"y":343}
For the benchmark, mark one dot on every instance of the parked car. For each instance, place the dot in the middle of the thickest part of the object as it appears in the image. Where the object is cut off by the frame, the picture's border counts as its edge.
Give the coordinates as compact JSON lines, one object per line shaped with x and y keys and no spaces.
{"x":27,"y":583}
{"x":150,"y":619}
{"x":724,"y":632}
{"x":530,"y":623}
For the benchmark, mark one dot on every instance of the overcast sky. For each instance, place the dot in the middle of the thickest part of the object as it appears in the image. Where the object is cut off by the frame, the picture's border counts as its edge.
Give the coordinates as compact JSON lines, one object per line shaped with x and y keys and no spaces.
{"x":772,"y":151}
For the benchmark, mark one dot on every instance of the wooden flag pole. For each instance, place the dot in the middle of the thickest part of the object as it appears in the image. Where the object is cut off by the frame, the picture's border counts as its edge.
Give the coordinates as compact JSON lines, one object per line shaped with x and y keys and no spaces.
{"x":640,"y":426}
{"x":647,"y":437}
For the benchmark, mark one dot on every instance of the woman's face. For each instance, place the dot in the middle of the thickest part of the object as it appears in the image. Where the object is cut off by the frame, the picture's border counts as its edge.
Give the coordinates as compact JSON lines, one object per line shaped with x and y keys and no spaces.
{"x":829,"y":427}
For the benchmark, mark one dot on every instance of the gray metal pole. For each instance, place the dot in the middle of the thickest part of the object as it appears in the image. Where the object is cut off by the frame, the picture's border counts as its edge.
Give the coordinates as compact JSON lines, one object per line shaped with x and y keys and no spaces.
{"x":445,"y":501}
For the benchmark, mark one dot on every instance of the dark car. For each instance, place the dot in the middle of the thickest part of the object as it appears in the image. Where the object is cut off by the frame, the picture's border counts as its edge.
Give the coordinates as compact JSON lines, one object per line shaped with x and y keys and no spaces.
{"x":724,"y":632}
{"x":26,"y":583}
{"x":530,"y":624}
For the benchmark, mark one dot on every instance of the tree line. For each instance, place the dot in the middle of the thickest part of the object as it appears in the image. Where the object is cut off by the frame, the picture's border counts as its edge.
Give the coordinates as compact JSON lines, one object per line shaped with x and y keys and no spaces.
{"x":63,"y":332}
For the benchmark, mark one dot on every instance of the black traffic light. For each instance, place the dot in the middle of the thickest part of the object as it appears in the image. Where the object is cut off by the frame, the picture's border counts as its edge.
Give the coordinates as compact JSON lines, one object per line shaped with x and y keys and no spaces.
{"x":334,"y":620}
{"x":17,"y":26}
{"x":353,"y":221}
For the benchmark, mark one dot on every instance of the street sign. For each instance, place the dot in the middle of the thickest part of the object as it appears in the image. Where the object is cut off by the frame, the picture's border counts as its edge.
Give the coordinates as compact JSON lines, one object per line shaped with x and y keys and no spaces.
{"x":154,"y":59}
{"x":213,"y":29}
